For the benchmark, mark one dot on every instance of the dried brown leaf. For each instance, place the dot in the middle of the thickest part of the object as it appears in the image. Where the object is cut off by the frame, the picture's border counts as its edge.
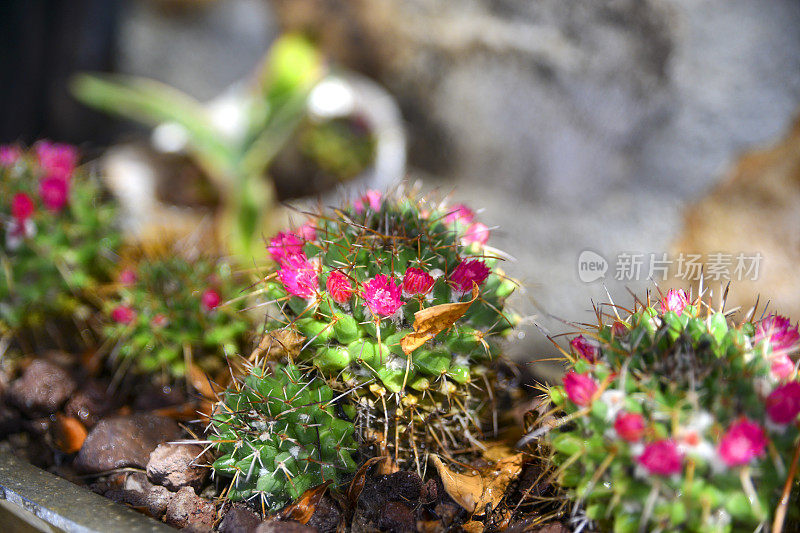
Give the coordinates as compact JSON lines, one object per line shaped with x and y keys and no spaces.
{"x":433,"y":320}
{"x":475,"y":492}
{"x":303,"y":509}
{"x":201,"y":383}
{"x":285,"y":342}
{"x":357,"y":485}
{"x":472,"y":526}
{"x":68,"y":433}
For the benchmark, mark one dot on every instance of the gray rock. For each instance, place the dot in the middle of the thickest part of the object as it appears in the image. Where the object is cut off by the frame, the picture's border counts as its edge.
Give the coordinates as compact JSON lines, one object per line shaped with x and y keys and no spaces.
{"x":157,"y":500}
{"x":122,"y":441}
{"x":89,"y":404}
{"x":239,"y":519}
{"x":188,"y":510}
{"x":42,"y":388}
{"x":174,"y":466}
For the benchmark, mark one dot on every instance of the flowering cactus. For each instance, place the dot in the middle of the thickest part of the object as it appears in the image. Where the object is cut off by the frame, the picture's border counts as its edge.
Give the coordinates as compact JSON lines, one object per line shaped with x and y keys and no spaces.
{"x":167,"y":311}
{"x":674,"y":418}
{"x":278,"y":435}
{"x":58,"y":239}
{"x":351,"y":283}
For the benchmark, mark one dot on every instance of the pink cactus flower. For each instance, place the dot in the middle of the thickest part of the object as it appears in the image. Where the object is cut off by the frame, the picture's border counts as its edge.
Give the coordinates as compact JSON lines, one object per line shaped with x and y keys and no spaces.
{"x":54,"y":192}
{"x":580,"y":388}
{"x":127,"y":277}
{"x":159,"y":321}
{"x":9,"y":155}
{"x":477,"y":233}
{"x":467,"y":272}
{"x":284,"y":245}
{"x":782,"y":336}
{"x":783,"y":404}
{"x":21,"y":207}
{"x":299,"y":276}
{"x":584,"y":348}
{"x":743,"y":441}
{"x":629,"y":426}
{"x":210,"y":299}
{"x":675,"y":301}
{"x":57,"y":160}
{"x":123,"y":314}
{"x":372,"y":200}
{"x":781,"y":367}
{"x":619,"y":329}
{"x":339,"y":287}
{"x":417,"y":281}
{"x":459,"y":214}
{"x":307,"y":231}
{"x":382,"y":295}
{"x":661,"y":458}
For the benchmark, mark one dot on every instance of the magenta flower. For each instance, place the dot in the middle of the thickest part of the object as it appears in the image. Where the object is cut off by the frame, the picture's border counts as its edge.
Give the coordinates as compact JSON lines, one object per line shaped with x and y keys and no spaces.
{"x":783,"y":404}
{"x":54,"y":192}
{"x":779,"y":332}
{"x":477,"y":233}
{"x":629,"y":426}
{"x":460,"y":214}
{"x":21,"y":207}
{"x":9,"y":155}
{"x":781,"y":367}
{"x":580,"y":388}
{"x":299,"y":276}
{"x":371,"y":200}
{"x":159,"y":321}
{"x":122,"y":314}
{"x":661,"y":458}
{"x":743,"y":441}
{"x":307,"y":231}
{"x":468,"y":272}
{"x":619,"y":329}
{"x":584,"y":348}
{"x":284,"y":245}
{"x":210,"y":299}
{"x":127,"y":277}
{"x":675,"y":301}
{"x":339,"y":287}
{"x":382,"y":295}
{"x":417,"y":281}
{"x":57,"y":160}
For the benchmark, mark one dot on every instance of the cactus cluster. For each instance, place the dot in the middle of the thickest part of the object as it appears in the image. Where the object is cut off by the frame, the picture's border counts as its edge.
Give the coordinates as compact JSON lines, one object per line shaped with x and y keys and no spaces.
{"x":168,"y":310}
{"x":58,"y":236}
{"x":278,"y":435}
{"x":350,"y":283}
{"x":675,"y":417}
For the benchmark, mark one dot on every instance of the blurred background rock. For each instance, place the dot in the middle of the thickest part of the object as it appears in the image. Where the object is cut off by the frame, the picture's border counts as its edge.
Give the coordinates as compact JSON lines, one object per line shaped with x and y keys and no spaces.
{"x":578,"y":124}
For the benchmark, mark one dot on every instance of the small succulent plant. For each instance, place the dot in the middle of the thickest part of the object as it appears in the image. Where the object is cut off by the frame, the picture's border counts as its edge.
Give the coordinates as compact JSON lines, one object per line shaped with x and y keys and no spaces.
{"x":58,"y":236}
{"x":167,"y":311}
{"x":356,"y":282}
{"x":678,"y":418}
{"x":278,"y":435}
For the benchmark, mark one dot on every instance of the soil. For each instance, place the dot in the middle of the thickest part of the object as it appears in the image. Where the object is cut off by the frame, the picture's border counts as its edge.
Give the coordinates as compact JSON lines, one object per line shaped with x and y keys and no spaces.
{"x":113,"y":439}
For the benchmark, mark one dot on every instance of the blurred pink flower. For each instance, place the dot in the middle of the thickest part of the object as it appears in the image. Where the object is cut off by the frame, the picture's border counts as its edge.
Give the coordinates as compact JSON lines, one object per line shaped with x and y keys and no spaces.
{"x":22,"y":207}
{"x":371,"y":200}
{"x":417,"y":281}
{"x":661,"y":458}
{"x":783,"y":404}
{"x":57,"y":160}
{"x":781,"y":367}
{"x":629,"y":426}
{"x":675,"y":301}
{"x":299,"y":276}
{"x":743,"y":441}
{"x":339,"y":287}
{"x":584,"y":348}
{"x":477,"y":233}
{"x":127,"y":277}
{"x":284,"y":245}
{"x":159,"y":321}
{"x":382,"y":295}
{"x":460,"y":214}
{"x":467,"y":272}
{"x":9,"y":155}
{"x":307,"y":231}
{"x":580,"y":388}
{"x":122,"y":314}
{"x":778,"y":330}
{"x":54,"y":192}
{"x":210,"y":299}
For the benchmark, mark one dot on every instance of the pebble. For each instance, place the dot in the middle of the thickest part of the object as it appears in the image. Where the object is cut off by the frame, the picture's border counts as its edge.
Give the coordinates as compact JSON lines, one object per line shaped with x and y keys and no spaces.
{"x":188,"y":510}
{"x":42,"y":388}
{"x":173,"y":466}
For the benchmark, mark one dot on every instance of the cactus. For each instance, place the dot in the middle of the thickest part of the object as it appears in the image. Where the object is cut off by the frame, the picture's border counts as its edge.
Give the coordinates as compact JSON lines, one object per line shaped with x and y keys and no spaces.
{"x":351,"y":282}
{"x":677,"y":418}
{"x":58,"y":236}
{"x":167,"y":310}
{"x":278,"y":435}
